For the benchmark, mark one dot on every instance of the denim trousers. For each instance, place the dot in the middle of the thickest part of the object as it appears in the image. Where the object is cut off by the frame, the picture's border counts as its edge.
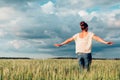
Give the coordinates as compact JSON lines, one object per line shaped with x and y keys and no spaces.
{"x":84,"y":60}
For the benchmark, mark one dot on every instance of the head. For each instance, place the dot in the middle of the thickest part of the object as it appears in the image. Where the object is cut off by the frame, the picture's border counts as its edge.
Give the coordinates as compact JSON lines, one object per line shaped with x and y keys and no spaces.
{"x":84,"y":26}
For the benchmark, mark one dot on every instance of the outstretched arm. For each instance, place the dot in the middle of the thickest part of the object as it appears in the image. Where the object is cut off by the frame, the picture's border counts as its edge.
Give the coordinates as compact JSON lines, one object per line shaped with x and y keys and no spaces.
{"x":65,"y":42}
{"x":101,"y":40}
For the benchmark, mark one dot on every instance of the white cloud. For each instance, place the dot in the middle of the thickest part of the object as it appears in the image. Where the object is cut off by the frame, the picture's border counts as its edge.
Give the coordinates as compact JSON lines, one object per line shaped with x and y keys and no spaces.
{"x":48,"y":8}
{"x":112,"y":20}
{"x":2,"y":33}
{"x":40,"y":42}
{"x":49,"y":33}
{"x":108,"y":17}
{"x":10,"y":18}
{"x":7,"y":13}
{"x":83,"y":13}
{"x":87,"y":16}
{"x":66,"y":29}
{"x":17,"y":44}
{"x":62,"y":12}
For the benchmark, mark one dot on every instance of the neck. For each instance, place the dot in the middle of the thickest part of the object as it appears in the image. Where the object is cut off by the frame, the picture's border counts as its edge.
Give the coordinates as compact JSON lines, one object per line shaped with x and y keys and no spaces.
{"x":84,"y":31}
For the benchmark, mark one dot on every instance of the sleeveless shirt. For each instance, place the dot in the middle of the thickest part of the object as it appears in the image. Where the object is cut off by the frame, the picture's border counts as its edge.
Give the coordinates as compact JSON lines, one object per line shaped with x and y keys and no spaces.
{"x":83,"y":45}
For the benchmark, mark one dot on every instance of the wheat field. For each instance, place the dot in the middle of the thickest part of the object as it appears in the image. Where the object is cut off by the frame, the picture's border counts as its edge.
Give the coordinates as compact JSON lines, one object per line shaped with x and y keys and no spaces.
{"x":57,"y":69}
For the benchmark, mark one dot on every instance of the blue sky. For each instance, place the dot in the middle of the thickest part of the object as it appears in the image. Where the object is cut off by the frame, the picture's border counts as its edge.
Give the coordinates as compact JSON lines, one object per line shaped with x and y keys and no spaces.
{"x":29,"y":28}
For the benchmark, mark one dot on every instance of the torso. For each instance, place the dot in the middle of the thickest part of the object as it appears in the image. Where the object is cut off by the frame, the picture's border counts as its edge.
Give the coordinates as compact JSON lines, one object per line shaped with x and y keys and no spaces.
{"x":83,"y":41}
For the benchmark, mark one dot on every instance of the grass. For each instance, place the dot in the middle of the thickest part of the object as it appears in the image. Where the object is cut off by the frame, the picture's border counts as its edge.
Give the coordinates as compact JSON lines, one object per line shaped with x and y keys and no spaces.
{"x":55,"y":69}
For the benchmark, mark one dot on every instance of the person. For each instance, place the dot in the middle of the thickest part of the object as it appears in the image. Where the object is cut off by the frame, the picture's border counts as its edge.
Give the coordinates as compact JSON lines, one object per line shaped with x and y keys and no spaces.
{"x":83,"y":42}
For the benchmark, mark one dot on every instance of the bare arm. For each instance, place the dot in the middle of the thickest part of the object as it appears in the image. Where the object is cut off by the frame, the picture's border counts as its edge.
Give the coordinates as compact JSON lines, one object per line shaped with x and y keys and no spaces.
{"x":65,"y":42}
{"x":101,"y":40}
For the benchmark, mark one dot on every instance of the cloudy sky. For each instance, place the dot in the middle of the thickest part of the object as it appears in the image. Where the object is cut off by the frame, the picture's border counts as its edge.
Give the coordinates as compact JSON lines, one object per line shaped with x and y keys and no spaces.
{"x":29,"y":28}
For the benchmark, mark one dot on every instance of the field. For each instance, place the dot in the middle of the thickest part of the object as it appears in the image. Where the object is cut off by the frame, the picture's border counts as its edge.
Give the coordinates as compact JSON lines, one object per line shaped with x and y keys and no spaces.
{"x":57,"y":69}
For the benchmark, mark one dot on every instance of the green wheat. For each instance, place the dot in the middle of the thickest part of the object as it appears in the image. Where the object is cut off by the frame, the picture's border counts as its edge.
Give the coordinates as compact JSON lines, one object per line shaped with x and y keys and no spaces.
{"x":54,"y":69}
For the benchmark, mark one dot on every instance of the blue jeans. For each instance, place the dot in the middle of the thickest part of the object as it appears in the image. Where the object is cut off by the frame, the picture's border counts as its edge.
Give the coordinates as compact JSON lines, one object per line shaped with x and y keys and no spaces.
{"x":84,"y":60}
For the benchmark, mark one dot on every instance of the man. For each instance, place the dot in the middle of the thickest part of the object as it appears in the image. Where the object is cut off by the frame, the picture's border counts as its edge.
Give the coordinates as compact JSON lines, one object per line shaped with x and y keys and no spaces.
{"x":83,"y":41}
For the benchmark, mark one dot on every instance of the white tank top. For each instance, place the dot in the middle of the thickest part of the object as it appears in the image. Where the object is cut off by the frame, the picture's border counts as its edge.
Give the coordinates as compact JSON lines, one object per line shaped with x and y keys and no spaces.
{"x":83,"y":45}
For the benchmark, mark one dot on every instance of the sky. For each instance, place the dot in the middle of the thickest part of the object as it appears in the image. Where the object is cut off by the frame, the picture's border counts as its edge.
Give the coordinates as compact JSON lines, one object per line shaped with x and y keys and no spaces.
{"x":30,"y":28}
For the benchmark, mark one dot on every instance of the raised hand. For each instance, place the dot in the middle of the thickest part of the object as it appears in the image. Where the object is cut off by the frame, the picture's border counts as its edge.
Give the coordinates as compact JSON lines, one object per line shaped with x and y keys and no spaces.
{"x":109,"y":43}
{"x":57,"y":45}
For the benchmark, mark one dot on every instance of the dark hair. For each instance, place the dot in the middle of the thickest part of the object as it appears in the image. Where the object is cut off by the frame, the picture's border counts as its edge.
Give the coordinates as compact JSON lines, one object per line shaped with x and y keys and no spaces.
{"x":83,"y":25}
